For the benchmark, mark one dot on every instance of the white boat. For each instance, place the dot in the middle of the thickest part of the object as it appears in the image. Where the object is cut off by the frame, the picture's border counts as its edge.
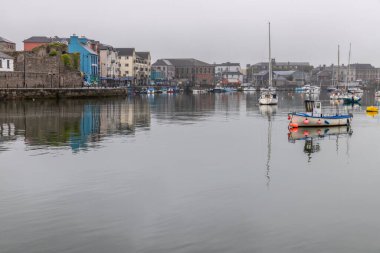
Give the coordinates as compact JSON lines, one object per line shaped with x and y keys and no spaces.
{"x":268,"y":96}
{"x":377,"y":93}
{"x":314,"y":117}
{"x":249,"y":89}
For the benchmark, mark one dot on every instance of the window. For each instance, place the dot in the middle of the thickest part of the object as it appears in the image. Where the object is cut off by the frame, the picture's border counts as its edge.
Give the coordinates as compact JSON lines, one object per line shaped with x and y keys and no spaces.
{"x":127,"y":72}
{"x":8,"y":64}
{"x":127,"y":65}
{"x":1,"y":63}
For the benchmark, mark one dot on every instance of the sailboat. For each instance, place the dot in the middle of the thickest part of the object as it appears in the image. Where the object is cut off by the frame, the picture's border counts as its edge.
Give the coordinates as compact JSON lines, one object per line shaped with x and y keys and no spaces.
{"x":268,"y":96}
{"x":350,"y":98}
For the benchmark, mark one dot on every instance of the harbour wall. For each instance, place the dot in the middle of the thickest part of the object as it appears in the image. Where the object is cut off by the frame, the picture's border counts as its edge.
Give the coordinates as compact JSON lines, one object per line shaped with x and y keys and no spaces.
{"x":37,"y":93}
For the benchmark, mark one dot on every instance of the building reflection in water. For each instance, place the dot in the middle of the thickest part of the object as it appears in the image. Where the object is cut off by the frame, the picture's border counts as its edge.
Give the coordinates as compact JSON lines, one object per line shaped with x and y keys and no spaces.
{"x":313,"y":135}
{"x":74,"y":123}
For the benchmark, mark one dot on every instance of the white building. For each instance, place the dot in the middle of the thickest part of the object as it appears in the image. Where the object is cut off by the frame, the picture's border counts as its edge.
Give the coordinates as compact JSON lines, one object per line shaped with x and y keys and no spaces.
{"x":126,"y":61}
{"x":229,"y":73}
{"x":108,"y":58}
{"x":6,"y":62}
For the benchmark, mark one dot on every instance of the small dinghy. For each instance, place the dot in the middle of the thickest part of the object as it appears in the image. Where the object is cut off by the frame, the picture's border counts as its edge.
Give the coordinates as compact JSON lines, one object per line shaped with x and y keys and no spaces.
{"x":313,"y":117}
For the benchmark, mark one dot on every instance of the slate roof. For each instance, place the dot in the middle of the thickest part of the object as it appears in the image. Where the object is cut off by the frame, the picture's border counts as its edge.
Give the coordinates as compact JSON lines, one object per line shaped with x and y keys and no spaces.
{"x":5,"y":56}
{"x":162,"y":62}
{"x":184,"y":62}
{"x":144,"y":55}
{"x":285,"y":63}
{"x":125,"y":51}
{"x":361,"y":66}
{"x":284,"y":73}
{"x":228,"y":64}
{"x":45,"y":39}
{"x":105,"y":47}
{"x":5,"y":40}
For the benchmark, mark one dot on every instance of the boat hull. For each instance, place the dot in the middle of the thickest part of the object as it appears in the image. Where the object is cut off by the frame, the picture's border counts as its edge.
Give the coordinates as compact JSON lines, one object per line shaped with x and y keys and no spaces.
{"x":268,"y":101}
{"x":306,"y":120}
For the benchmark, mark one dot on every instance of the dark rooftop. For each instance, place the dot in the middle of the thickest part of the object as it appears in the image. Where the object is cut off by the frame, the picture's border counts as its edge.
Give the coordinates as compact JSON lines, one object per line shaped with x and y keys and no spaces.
{"x":125,"y":51}
{"x":183,"y":62}
{"x":45,"y":39}
{"x":228,"y":64}
{"x":162,"y":62}
{"x":144,"y":55}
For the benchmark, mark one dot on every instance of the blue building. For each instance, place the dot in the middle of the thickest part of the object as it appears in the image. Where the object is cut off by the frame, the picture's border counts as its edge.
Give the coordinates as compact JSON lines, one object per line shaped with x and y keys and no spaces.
{"x":89,"y":59}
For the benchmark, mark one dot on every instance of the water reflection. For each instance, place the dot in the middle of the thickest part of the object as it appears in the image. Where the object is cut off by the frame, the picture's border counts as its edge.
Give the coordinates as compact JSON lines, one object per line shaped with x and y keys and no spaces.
{"x":77,"y":124}
{"x":313,"y":135}
{"x":268,"y":111}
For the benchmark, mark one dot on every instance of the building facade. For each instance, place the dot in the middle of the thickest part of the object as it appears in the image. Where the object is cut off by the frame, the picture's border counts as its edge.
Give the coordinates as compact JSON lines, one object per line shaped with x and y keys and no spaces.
{"x":126,"y":60}
{"x":108,"y":62}
{"x":7,"y":46}
{"x":163,"y":71}
{"x":279,"y":66}
{"x":6,"y":62}
{"x":192,"y":72}
{"x":228,"y":74}
{"x":142,"y":68}
{"x":88,"y":57}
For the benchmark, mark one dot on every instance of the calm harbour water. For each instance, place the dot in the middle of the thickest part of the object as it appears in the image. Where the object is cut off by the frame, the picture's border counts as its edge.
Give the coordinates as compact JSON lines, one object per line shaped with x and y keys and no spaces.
{"x":185,"y":173}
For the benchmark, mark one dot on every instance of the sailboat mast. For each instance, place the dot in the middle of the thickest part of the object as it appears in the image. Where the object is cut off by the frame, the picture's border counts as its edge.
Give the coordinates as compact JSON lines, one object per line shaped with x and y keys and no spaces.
{"x":337,"y":82}
{"x":270,"y":60}
{"x":348,"y":72}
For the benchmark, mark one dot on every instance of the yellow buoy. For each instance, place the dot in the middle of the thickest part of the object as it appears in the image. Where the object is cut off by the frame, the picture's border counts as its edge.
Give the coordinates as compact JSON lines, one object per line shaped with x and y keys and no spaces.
{"x":372,"y":109}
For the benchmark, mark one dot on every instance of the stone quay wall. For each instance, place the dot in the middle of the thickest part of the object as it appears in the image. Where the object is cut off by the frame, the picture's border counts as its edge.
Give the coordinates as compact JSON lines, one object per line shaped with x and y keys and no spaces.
{"x":36,"y":93}
{"x":17,"y":79}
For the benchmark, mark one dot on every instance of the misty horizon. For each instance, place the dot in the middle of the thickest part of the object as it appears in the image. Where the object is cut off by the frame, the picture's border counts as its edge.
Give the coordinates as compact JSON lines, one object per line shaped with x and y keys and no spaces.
{"x":211,"y":31}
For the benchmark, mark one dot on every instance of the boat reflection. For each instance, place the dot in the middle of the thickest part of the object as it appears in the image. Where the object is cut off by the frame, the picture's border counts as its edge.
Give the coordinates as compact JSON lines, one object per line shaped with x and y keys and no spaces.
{"x":313,"y":135}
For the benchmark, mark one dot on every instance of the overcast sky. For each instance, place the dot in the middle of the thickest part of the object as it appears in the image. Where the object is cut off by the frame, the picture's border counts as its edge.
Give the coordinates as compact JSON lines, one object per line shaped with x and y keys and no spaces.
{"x":209,"y":30}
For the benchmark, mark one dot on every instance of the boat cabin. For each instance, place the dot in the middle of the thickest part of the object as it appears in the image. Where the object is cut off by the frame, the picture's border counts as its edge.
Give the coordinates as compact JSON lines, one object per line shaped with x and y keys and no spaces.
{"x":314,"y":107}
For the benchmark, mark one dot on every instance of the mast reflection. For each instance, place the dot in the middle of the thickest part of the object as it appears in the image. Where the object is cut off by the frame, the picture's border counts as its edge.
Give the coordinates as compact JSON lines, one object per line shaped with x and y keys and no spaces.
{"x":268,"y":111}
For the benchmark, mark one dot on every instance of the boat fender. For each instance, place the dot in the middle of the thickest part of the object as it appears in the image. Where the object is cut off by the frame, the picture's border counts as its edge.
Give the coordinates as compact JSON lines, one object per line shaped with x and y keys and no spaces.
{"x":326,"y":122}
{"x":294,"y":130}
{"x":319,"y":132}
{"x":319,"y":122}
{"x":306,"y":133}
{"x":289,"y":118}
{"x":293,"y":125}
{"x":306,"y":121}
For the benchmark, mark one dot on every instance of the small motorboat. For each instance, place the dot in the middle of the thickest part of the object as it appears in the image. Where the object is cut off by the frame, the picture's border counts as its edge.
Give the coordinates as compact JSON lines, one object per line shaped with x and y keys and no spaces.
{"x":351,"y":99}
{"x":313,"y":117}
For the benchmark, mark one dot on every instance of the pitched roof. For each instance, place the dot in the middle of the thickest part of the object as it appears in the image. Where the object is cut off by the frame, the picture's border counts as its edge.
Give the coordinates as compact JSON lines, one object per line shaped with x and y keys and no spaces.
{"x":105,"y":47}
{"x":5,"y":40}
{"x":45,"y":39}
{"x":284,"y":73}
{"x":361,"y":66}
{"x":144,"y":55}
{"x":5,"y":56}
{"x":125,"y":51}
{"x":38,"y":39}
{"x":183,"y":62}
{"x":162,"y":62}
{"x":228,"y":64}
